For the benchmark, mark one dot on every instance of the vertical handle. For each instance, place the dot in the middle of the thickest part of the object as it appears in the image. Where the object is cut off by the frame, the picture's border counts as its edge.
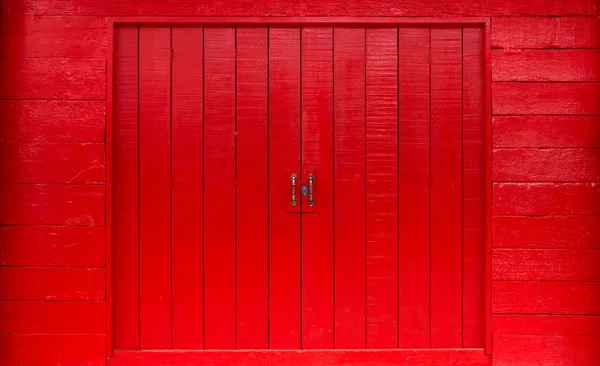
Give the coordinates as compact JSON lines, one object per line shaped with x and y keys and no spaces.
{"x":293,"y":179}
{"x":311,"y":200}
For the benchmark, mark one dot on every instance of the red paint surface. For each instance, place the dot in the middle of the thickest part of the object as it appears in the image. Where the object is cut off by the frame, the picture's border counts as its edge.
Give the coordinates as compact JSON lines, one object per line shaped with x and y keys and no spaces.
{"x":70,"y":65}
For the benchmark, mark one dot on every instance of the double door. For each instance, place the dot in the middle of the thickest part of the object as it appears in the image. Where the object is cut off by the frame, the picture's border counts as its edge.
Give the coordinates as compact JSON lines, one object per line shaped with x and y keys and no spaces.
{"x":298,"y":187}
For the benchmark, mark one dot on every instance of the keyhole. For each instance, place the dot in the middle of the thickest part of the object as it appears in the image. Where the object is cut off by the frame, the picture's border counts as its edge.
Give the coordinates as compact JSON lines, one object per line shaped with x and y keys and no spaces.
{"x":304,"y":191}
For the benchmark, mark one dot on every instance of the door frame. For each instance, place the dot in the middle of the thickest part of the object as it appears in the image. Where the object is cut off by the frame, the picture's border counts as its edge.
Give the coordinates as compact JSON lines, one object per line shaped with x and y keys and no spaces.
{"x":312,"y":356}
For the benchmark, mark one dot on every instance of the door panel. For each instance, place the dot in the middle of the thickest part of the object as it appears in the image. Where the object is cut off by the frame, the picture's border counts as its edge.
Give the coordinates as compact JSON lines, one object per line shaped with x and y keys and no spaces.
{"x":155,"y":187}
{"x":317,"y":152}
{"x":188,"y":182}
{"x":284,"y":160}
{"x":252,"y":167}
{"x":349,"y":186}
{"x":382,"y":186}
{"x":211,"y":250}
{"x":219,"y":187}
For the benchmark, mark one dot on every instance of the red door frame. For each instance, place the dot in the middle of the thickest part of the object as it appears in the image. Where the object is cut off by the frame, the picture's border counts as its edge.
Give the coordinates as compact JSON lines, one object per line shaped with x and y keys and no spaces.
{"x":482,"y":21}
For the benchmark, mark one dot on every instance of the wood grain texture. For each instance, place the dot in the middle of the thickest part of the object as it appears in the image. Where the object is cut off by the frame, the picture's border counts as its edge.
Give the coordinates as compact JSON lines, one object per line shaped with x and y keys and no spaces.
{"x":39,"y":350}
{"x":54,"y":36}
{"x":558,"y":32}
{"x":446,"y":187}
{"x":514,"y":297}
{"x":54,"y":78}
{"x":349,"y":172}
{"x":52,"y":317}
{"x":52,"y":121}
{"x":304,"y":8}
{"x":68,"y":163}
{"x":154,"y":187}
{"x":317,"y":159}
{"x":570,"y":232}
{"x":125,"y":192}
{"x":546,"y":165}
{"x":219,"y":187}
{"x":37,"y":204}
{"x":52,"y":246}
{"x":414,"y":188}
{"x":545,"y":265}
{"x":546,"y":65}
{"x":462,"y":357}
{"x":546,"y":199}
{"x":516,"y":350}
{"x":546,"y":325}
{"x":284,"y":160}
{"x":252,"y":165}
{"x":474,"y":189}
{"x":382,"y":186}
{"x":512,"y":98}
{"x":187,"y":188}
{"x":546,"y":131}
{"x":52,"y":284}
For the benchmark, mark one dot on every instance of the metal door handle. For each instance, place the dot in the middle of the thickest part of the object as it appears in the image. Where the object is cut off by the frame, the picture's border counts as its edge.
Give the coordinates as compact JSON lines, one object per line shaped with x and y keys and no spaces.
{"x":293,"y":179}
{"x":311,"y":199}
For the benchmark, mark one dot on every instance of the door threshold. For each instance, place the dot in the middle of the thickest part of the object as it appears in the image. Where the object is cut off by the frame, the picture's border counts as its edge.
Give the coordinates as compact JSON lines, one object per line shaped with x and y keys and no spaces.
{"x":438,"y":357}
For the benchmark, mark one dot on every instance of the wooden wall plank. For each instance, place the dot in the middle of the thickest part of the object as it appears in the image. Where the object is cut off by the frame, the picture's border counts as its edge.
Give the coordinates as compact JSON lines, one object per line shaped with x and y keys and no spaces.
{"x":513,"y":297}
{"x":546,"y":325}
{"x":155,"y":187}
{"x":125,"y":170}
{"x":547,"y":232}
{"x":305,"y":8}
{"x":39,"y":350}
{"x":558,"y":32}
{"x":512,"y":98}
{"x":474,"y":189}
{"x":349,"y":62}
{"x":186,"y":192}
{"x":219,"y":187}
{"x":54,"y":78}
{"x":284,"y":160}
{"x":52,"y":121}
{"x":545,"y":265}
{"x":38,"y":204}
{"x":317,"y":159}
{"x":382,"y":186}
{"x":252,"y":165}
{"x":546,"y":199}
{"x":54,"y":36}
{"x":52,"y":246}
{"x":546,"y":165}
{"x":52,"y":317}
{"x":556,"y":350}
{"x":69,"y":163}
{"x":52,"y":284}
{"x":446,"y":188}
{"x":545,"y":65}
{"x":414,"y":190}
{"x":546,"y":131}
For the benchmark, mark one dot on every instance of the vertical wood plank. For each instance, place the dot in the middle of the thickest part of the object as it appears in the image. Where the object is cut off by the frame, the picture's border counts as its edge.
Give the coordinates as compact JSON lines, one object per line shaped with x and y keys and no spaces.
{"x":382,"y":186}
{"x":252,"y":175}
{"x":317,"y":159}
{"x":349,"y":186}
{"x":155,"y":187}
{"x":414,"y":190}
{"x":473,"y":189}
{"x":125,"y":191}
{"x":446,"y":187}
{"x":284,"y":160}
{"x":219,"y":187}
{"x":186,"y":198}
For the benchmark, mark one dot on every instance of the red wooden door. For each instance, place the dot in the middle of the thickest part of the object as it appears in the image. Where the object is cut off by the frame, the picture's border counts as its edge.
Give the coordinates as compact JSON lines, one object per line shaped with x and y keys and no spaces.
{"x":382,"y":128}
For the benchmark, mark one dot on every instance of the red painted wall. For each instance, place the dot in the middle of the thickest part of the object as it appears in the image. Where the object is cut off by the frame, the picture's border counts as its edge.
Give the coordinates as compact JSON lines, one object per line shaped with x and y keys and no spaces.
{"x":546,"y":170}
